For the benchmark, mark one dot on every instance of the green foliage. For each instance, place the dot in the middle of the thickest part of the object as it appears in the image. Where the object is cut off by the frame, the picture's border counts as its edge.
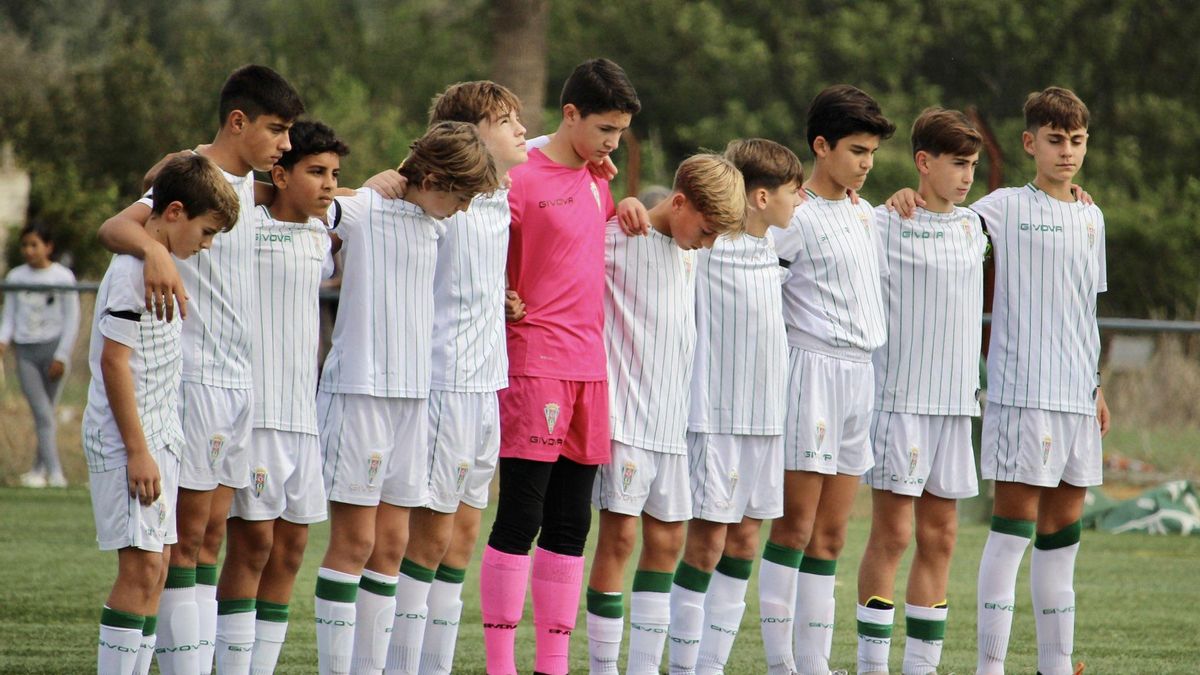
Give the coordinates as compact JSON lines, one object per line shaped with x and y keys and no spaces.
{"x":73,"y":210}
{"x":108,"y":86}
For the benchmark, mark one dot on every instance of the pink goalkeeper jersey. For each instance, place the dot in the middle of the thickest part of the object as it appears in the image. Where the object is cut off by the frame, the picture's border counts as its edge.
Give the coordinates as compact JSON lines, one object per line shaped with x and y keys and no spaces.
{"x":556,"y":265}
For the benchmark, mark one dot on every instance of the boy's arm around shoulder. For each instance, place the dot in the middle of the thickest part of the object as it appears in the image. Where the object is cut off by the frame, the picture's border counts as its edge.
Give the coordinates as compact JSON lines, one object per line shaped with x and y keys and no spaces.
{"x":126,"y":233}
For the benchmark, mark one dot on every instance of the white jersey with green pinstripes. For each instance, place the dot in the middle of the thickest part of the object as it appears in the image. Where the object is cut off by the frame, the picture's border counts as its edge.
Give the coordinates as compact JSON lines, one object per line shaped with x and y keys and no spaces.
{"x":832,"y":303}
{"x":469,"y":349}
{"x":739,"y":379}
{"x":1045,"y":346}
{"x":650,"y":335}
{"x":932,"y":267}
{"x":154,"y":363}
{"x":287,"y":326}
{"x":217,"y":335}
{"x":382,"y":338}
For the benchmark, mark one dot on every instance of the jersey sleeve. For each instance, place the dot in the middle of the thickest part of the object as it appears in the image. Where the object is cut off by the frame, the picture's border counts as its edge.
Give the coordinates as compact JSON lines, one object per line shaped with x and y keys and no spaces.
{"x":355,"y":212}
{"x":789,"y":241}
{"x":883,"y":224}
{"x":120,"y":317}
{"x":990,"y":209}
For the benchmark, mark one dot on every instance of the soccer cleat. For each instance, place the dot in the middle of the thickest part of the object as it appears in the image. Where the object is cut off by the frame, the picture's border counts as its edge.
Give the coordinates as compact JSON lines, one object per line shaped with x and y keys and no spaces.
{"x":56,"y":480}
{"x":33,"y":479}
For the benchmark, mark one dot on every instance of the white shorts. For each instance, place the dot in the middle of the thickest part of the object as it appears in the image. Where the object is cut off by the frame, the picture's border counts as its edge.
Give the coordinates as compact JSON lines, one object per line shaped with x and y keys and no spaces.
{"x":464,"y":445}
{"x":216,"y":430}
{"x":829,"y":409}
{"x":923,"y":453}
{"x":735,"y":475}
{"x":285,"y":479}
{"x":641,"y":481}
{"x":1040,"y":447}
{"x":374,"y":449}
{"x":122,"y":521}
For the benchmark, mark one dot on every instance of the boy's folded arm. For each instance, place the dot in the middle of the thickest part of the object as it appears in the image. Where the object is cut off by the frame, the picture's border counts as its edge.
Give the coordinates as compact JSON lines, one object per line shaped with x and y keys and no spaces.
{"x":126,"y":233}
{"x":144,"y":482}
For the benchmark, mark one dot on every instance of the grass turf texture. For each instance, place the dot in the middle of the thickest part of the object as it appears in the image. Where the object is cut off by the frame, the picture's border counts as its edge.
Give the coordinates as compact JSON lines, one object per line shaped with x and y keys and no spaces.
{"x":1135,"y":595}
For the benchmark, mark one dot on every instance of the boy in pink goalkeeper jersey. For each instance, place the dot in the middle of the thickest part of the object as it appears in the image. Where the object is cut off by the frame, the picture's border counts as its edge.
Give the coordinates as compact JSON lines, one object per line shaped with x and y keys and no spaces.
{"x":554,"y":414}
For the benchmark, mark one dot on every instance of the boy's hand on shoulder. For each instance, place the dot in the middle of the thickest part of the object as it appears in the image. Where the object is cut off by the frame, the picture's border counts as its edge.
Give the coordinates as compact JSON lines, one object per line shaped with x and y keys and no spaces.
{"x":1081,"y":195}
{"x":904,"y":202}
{"x":603,"y":169}
{"x":55,"y":370}
{"x":633,"y":217}
{"x":388,"y":184}
{"x":145,"y":484}
{"x":514,"y":307}
{"x":164,"y":287}
{"x":1102,"y":414}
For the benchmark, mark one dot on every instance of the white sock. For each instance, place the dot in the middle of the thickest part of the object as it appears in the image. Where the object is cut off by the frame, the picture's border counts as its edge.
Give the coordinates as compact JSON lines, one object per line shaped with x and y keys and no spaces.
{"x":335,"y":613}
{"x":997,"y":591}
{"x":724,"y":606}
{"x":268,"y":642}
{"x":235,"y":636}
{"x":206,"y":618}
{"x":777,"y":605}
{"x":177,"y":644}
{"x":145,"y":654}
{"x":813,"y":628}
{"x":604,"y":643}
{"x":1052,"y":580}
{"x":117,"y":651}
{"x":874,"y":638}
{"x":687,"y":618}
{"x":649,"y":618}
{"x":408,"y":619}
{"x":374,"y":612}
{"x":925,"y":628}
{"x":441,"y":624}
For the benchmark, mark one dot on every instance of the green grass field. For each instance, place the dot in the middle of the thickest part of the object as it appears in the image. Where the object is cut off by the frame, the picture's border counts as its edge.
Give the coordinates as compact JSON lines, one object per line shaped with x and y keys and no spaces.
{"x":1136,"y":597}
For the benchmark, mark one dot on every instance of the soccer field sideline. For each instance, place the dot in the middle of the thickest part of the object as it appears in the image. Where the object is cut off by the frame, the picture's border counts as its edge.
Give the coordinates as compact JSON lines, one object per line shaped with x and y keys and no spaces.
{"x":1135,"y":595}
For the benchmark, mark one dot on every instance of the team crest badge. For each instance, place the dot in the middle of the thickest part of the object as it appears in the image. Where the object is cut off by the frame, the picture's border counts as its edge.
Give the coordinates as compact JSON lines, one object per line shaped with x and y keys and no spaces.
{"x":551,"y":413}
{"x":820,"y":433}
{"x":1091,"y":229}
{"x":1047,"y":445}
{"x":689,"y":263}
{"x":260,"y":481}
{"x":214,"y":448}
{"x":865,"y":220}
{"x":966,"y":226}
{"x":628,"y":470}
{"x":596,"y":196}
{"x":733,"y":481}
{"x":461,"y":478}
{"x":914,"y":453}
{"x":373,"y":464}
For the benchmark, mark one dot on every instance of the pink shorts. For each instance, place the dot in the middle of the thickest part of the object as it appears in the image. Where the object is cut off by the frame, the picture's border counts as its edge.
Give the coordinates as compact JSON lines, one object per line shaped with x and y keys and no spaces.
{"x":542,"y":418}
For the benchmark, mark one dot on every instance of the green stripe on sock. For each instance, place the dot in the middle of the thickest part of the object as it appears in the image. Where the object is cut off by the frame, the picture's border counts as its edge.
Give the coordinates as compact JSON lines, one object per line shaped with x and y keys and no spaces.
{"x":414,"y":571}
{"x":824,"y":568}
{"x":150,"y":626}
{"x":607,"y":605}
{"x":181,"y":577}
{"x":738,"y":568}
{"x":235,"y":606}
{"x":925,"y":629}
{"x":377,"y":587}
{"x":115,"y":618}
{"x":1017,"y":528}
{"x":875,"y":630}
{"x":691,"y":578}
{"x":1068,"y":536}
{"x":336,"y":591}
{"x":450,"y":575}
{"x":647,"y":581}
{"x":206,"y":574}
{"x":782,"y":555}
{"x":271,"y":611}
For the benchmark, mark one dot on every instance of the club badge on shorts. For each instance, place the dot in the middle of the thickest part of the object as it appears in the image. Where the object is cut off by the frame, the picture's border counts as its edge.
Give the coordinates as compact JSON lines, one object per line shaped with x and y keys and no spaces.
{"x":214,"y":448}
{"x":820,"y":433}
{"x":914,"y":454}
{"x":551,"y":413}
{"x":260,"y":481}
{"x":628,"y":471}
{"x":733,"y":481}
{"x":373,"y":463}
{"x":1047,"y":444}
{"x":461,"y":478}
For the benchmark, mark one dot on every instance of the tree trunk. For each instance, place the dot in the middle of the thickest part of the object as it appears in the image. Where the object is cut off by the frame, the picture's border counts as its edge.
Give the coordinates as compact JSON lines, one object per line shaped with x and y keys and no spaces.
{"x":519,"y":55}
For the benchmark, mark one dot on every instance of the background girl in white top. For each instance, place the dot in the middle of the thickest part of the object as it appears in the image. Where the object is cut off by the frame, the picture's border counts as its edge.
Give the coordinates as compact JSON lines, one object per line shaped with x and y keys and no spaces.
{"x":42,"y":326}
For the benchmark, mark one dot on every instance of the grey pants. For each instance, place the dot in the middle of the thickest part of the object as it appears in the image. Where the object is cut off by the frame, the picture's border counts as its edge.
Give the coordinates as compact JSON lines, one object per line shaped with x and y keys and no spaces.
{"x":33,"y":362}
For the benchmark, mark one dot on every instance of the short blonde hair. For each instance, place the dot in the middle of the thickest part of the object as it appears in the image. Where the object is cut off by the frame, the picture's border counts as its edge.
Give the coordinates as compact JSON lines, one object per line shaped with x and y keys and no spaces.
{"x":453,"y":157}
{"x":196,"y":183}
{"x":715,"y":188}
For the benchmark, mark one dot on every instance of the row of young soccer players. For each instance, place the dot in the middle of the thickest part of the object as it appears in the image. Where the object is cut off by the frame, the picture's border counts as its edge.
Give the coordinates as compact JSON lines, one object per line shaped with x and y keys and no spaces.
{"x":355,"y":608}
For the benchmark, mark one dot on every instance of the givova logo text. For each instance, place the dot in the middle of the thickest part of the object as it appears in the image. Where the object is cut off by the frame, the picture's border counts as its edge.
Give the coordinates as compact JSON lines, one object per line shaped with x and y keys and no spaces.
{"x":1048,"y":229}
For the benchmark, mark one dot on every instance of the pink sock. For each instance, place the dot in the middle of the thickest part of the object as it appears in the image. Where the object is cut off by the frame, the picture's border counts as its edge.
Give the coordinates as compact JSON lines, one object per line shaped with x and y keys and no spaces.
{"x":502,"y":581}
{"x":557,"y":580}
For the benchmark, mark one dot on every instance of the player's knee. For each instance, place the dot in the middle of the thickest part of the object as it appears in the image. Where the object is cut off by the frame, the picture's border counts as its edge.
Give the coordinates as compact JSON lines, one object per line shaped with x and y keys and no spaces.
{"x":791,"y":533}
{"x":826,"y":543}
{"x":290,"y":553}
{"x":937,"y":542}
{"x":619,"y":541}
